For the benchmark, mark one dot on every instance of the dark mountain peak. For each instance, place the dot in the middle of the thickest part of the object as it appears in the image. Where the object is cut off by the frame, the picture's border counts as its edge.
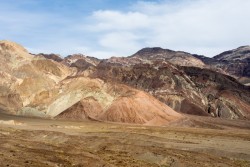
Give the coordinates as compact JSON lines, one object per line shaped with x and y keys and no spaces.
{"x":152,"y":50}
{"x":176,"y":57}
{"x":240,"y":53}
{"x":244,"y":47}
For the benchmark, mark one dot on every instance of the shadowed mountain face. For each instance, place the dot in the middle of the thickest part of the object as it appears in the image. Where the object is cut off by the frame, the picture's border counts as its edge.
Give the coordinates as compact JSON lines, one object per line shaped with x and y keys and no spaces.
{"x":234,"y":62}
{"x":226,"y":97}
{"x":162,"y":80}
{"x":190,"y":90}
{"x":241,"y":53}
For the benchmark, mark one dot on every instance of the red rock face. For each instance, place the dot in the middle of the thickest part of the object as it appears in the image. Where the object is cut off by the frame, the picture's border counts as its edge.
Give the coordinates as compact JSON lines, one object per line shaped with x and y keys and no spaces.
{"x":140,"y":108}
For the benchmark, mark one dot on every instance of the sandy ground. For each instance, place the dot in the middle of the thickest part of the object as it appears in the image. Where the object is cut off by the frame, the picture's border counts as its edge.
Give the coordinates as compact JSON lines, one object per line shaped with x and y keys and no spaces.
{"x":196,"y":141}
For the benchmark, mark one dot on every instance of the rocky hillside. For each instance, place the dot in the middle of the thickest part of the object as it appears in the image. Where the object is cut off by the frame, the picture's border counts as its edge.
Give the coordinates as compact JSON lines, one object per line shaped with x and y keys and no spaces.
{"x":188,"y":83}
{"x":161,"y":79}
{"x":235,"y":63}
{"x":241,"y":53}
{"x":146,"y":88}
{"x":189,"y":90}
{"x":227,"y":98}
{"x":47,"y":87}
{"x":175,"y":57}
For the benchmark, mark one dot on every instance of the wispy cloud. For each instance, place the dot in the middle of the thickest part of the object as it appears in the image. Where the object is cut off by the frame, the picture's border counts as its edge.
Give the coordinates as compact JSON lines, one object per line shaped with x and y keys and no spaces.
{"x":115,"y":20}
{"x":205,"y":27}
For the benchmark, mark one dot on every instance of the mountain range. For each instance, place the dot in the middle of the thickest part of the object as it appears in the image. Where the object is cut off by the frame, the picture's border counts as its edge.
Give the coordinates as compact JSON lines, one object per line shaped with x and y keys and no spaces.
{"x":154,"y":86}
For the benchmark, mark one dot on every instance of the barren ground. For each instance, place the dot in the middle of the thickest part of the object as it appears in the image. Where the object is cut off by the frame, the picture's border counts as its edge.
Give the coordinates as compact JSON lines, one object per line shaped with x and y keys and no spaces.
{"x":196,"y":141}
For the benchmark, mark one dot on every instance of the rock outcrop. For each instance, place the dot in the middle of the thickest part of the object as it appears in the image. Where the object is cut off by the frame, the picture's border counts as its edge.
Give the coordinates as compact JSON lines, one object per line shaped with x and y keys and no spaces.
{"x":226,"y":97}
{"x":235,"y":63}
{"x":241,"y":53}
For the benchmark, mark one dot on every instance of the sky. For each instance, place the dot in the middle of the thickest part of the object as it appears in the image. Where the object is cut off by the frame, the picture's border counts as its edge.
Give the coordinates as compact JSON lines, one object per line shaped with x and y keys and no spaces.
{"x":105,"y":28}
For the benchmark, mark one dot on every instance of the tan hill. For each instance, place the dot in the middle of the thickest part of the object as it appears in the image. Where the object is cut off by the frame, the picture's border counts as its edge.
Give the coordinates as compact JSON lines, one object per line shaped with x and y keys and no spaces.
{"x":115,"y":103}
{"x":24,"y":76}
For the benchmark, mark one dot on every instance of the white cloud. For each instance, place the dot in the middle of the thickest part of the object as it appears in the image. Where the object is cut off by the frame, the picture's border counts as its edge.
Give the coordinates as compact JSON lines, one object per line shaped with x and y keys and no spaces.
{"x":205,"y":27}
{"x":200,"y":26}
{"x":115,"y":20}
{"x":121,"y":42}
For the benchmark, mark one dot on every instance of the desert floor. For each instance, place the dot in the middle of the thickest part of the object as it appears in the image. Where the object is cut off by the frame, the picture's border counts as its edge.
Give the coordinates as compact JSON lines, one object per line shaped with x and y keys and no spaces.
{"x":194,"y":141}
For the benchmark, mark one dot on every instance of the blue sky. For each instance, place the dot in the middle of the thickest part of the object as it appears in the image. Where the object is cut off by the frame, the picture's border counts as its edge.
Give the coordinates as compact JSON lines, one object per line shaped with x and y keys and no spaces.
{"x":105,"y":28}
